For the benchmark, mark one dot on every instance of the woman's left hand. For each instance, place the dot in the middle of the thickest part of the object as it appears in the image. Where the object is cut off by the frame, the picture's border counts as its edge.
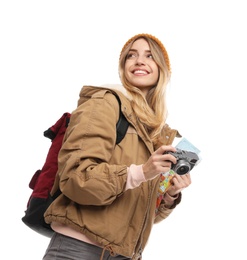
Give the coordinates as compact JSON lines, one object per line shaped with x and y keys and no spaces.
{"x":178,"y":183}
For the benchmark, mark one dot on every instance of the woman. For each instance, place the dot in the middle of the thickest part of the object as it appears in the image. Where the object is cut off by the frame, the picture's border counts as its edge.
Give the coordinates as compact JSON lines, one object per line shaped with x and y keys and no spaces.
{"x":110,"y":192}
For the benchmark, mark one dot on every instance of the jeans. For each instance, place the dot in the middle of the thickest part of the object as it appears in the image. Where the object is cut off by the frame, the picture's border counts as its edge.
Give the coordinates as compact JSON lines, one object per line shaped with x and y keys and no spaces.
{"x":66,"y":248}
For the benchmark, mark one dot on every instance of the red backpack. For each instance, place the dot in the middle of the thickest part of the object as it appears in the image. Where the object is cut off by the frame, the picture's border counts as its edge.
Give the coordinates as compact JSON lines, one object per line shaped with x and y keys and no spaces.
{"x":43,"y":180}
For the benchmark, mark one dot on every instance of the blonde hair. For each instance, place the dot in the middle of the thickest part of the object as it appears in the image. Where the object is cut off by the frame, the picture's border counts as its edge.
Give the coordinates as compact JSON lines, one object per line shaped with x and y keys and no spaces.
{"x":150,"y":110}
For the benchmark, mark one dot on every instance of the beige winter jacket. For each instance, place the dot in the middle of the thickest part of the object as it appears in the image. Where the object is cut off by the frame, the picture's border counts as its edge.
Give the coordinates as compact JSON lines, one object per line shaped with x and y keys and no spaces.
{"x":93,"y":173}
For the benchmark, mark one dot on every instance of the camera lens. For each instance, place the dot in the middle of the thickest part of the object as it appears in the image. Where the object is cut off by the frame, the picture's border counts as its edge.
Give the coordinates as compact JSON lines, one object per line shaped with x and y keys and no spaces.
{"x":182,"y":170}
{"x":182,"y":167}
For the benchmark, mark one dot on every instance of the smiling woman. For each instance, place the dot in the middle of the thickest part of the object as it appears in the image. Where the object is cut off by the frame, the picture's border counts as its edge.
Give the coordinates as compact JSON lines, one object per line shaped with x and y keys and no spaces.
{"x":100,"y":181}
{"x":155,"y":54}
{"x":140,"y":67}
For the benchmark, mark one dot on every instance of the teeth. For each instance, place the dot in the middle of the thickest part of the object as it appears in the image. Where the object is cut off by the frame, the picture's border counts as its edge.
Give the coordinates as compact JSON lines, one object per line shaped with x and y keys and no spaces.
{"x":140,"y":72}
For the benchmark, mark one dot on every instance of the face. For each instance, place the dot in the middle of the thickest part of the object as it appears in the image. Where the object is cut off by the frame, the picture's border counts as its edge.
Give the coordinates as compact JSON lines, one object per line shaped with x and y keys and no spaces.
{"x":140,"y":68}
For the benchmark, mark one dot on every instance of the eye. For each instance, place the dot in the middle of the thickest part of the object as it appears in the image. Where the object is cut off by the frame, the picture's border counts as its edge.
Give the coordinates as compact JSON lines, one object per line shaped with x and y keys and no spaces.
{"x":150,"y":56}
{"x":131,"y":55}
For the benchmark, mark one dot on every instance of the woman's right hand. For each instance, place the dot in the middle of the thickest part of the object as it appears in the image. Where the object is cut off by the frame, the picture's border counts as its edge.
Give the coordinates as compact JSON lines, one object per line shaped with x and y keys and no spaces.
{"x":160,"y":161}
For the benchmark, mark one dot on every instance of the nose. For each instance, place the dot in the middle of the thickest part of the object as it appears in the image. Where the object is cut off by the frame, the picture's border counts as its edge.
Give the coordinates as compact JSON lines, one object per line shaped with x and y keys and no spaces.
{"x":140,"y":60}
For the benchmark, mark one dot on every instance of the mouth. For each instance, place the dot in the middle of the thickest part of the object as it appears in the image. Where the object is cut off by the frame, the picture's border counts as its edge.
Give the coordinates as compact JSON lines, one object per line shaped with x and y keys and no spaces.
{"x":140,"y":72}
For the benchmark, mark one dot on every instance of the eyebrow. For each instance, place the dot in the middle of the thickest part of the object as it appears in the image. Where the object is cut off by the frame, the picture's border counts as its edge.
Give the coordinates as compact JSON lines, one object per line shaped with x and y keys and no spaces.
{"x":137,"y":50}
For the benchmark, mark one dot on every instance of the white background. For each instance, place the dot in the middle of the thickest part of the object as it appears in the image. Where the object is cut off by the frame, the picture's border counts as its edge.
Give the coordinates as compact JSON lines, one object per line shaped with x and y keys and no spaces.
{"x":50,"y":49}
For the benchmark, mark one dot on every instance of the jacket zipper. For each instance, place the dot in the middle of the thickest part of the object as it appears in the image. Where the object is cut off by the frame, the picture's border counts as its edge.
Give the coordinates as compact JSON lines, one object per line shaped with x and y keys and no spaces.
{"x":139,"y":242}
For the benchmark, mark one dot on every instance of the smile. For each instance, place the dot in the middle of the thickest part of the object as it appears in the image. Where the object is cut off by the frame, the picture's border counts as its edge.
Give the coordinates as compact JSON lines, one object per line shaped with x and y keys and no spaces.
{"x":140,"y":72}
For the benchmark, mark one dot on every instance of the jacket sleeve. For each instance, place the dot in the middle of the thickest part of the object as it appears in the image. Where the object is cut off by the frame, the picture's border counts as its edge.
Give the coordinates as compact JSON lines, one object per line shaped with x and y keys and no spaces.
{"x":164,"y":212}
{"x":86,"y":177}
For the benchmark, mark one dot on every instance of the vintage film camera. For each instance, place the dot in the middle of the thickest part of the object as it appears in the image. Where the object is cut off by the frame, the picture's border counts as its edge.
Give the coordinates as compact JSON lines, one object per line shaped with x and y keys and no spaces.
{"x":186,"y":160}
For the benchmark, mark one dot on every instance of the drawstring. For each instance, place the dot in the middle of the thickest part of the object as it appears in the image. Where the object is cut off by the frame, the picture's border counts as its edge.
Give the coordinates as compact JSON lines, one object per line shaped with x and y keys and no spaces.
{"x":108,"y":248}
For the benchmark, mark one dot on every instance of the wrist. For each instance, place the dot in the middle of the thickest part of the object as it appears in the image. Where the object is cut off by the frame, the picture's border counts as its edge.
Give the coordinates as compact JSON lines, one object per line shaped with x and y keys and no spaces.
{"x":173,"y":197}
{"x":169,"y":200}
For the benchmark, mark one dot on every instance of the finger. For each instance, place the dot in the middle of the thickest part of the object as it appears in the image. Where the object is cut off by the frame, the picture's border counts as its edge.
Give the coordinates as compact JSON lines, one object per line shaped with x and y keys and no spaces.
{"x":186,"y":178}
{"x":166,"y":148}
{"x":166,"y":163}
{"x":169,"y":157}
{"x":180,"y":181}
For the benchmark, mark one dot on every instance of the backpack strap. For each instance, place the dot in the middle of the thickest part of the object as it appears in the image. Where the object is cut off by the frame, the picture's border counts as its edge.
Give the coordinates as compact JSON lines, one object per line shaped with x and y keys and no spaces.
{"x":122,"y":124}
